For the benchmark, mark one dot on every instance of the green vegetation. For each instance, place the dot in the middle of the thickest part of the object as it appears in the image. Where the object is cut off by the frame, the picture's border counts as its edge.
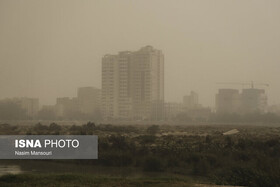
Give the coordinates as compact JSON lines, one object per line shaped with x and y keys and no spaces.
{"x":86,"y":180}
{"x":248,"y":158}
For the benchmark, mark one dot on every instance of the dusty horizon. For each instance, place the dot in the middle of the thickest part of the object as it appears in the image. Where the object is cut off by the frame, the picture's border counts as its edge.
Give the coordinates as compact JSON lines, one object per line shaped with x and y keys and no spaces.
{"x":50,"y":48}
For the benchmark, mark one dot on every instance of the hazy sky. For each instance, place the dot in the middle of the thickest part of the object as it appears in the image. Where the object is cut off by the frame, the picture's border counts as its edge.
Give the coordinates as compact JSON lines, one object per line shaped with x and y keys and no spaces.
{"x":48,"y":48}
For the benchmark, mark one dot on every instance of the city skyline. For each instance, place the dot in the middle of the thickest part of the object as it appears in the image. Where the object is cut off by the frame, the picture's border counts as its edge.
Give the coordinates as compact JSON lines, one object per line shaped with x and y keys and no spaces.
{"x":50,"y":56}
{"x":140,"y":93}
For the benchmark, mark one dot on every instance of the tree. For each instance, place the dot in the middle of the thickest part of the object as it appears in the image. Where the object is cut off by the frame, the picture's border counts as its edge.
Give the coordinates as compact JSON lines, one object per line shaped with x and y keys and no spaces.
{"x":153,"y":129}
{"x":153,"y":164}
{"x":54,"y":127}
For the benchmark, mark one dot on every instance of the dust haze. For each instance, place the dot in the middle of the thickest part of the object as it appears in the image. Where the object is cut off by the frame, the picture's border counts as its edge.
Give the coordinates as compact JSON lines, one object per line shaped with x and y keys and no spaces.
{"x":50,"y":48}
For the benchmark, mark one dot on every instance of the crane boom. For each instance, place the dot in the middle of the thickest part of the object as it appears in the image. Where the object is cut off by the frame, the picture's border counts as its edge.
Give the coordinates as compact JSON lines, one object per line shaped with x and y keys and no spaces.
{"x":244,"y":83}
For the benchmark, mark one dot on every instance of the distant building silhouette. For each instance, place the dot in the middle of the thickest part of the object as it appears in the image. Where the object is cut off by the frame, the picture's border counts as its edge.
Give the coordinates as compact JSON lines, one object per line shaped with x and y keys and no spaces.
{"x":188,"y":110}
{"x":66,"y":106}
{"x":29,"y":105}
{"x":85,"y":106}
{"x":191,"y":101}
{"x":89,"y":100}
{"x":172,"y":110}
{"x":251,"y":100}
{"x":274,"y":109}
{"x":228,"y":101}
{"x":132,"y":85}
{"x":254,"y":100}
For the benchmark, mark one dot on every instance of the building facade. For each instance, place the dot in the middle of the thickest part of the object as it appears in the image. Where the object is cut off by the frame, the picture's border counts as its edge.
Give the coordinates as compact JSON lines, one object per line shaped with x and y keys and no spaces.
{"x":132,"y":85}
{"x":251,"y":100}
{"x":85,"y":106}
{"x":228,"y":101}
{"x":31,"y":105}
{"x":254,"y":100}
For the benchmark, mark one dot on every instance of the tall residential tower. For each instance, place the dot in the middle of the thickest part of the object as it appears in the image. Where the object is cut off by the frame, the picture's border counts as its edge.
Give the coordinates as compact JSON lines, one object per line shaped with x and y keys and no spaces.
{"x":133,"y":85}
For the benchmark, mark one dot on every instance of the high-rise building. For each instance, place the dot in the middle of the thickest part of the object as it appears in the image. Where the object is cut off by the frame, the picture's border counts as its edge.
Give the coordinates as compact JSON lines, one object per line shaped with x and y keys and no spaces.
{"x":31,"y":105}
{"x":254,"y":100}
{"x":251,"y":100}
{"x":228,"y":101}
{"x":132,"y":85}
{"x":116,"y":101}
{"x":275,"y":109}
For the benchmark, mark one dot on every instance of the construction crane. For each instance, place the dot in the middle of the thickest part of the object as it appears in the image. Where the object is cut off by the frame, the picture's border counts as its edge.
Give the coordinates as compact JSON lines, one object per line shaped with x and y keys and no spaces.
{"x":244,"y":83}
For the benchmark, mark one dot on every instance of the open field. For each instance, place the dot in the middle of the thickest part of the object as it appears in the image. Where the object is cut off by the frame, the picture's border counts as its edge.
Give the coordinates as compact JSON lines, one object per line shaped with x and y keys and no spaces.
{"x":158,"y":155}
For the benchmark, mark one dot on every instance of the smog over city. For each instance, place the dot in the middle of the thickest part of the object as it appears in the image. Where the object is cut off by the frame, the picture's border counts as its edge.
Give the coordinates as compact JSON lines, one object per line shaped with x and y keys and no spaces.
{"x":193,"y":77}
